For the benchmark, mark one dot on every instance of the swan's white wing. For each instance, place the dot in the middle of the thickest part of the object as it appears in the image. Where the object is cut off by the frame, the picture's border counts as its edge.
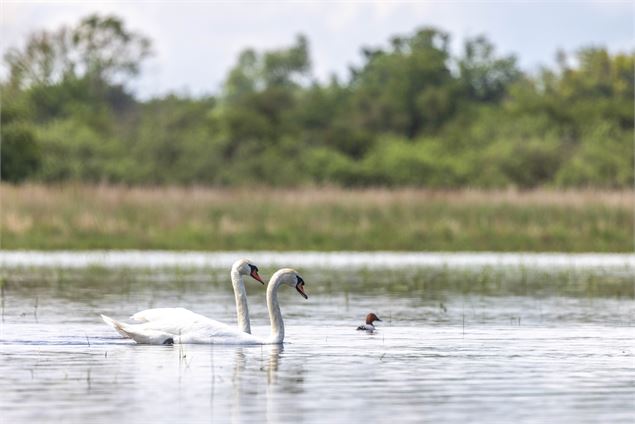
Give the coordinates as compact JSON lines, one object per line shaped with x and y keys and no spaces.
{"x":139,"y":335}
{"x":183,"y":328}
{"x":156,"y":314}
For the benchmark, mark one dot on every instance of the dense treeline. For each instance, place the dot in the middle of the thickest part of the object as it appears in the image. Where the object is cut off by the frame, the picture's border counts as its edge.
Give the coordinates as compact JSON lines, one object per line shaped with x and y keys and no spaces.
{"x":411,"y":114}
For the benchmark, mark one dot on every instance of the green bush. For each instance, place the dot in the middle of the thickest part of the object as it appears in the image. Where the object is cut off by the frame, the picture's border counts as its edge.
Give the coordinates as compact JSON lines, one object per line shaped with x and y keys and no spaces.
{"x":604,"y":158}
{"x":423,"y":162}
{"x":21,"y":155}
{"x":74,"y":151}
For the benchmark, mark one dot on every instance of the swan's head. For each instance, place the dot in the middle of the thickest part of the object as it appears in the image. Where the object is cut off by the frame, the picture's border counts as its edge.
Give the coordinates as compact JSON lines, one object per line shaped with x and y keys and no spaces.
{"x":246,"y":267}
{"x":291,"y":278}
{"x":370,"y":318}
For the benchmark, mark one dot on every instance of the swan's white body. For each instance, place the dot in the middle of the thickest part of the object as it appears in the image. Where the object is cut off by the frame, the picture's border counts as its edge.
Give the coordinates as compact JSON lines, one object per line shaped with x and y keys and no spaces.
{"x":178,"y":325}
{"x":184,"y":329}
{"x":183,"y":316}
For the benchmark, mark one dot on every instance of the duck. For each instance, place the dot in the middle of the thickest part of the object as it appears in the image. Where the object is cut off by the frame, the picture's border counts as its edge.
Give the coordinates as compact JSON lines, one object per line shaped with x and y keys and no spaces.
{"x":368,"y":326}
{"x":240,"y":268}
{"x":181,"y":328}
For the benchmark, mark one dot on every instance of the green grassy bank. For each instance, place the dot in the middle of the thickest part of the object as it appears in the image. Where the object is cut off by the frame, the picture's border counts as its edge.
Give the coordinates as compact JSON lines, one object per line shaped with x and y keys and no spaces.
{"x":107,"y":217}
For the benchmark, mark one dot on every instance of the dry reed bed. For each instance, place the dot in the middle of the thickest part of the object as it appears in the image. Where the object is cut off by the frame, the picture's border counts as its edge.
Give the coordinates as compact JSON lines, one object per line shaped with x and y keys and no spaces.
{"x":102,"y":216}
{"x":113,"y":196}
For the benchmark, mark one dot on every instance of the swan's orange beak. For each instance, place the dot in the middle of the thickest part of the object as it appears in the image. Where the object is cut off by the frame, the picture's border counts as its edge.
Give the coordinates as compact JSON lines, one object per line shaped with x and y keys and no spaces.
{"x":255,"y":276}
{"x":300,"y":288}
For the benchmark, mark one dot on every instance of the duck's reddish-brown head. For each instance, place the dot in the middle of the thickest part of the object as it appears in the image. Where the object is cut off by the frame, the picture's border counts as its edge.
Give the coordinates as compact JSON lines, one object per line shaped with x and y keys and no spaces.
{"x":370,"y":318}
{"x":254,"y":273}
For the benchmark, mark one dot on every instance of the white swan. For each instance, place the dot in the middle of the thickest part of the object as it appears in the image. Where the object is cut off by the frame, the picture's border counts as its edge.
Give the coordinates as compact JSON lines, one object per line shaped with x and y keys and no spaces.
{"x":202,"y":330}
{"x":239,"y":268}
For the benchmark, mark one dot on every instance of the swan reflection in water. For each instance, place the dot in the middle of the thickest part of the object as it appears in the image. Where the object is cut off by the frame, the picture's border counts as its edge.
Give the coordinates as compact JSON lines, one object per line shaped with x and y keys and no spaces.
{"x":255,"y":378}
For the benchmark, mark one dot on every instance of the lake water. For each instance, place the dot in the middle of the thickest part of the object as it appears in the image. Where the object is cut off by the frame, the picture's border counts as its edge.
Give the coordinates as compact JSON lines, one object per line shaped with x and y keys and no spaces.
{"x":464,"y":338}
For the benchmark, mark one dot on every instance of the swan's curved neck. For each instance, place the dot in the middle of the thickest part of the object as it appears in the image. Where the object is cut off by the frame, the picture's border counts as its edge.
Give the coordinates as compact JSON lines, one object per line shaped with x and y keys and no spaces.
{"x":277,"y":326}
{"x":242,"y":311}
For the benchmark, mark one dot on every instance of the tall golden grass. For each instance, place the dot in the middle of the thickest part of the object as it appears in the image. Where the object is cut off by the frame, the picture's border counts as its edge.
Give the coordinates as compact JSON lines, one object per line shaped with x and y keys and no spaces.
{"x":75,"y":216}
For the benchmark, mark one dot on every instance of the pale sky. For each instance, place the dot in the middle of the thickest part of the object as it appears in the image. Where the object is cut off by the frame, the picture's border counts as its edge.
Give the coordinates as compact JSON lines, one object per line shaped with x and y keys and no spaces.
{"x":197,"y":42}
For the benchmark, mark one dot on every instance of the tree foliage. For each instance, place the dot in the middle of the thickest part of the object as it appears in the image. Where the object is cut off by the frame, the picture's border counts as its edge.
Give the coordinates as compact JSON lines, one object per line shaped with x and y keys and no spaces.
{"x":412,"y":113}
{"x":21,"y":154}
{"x":98,"y":48}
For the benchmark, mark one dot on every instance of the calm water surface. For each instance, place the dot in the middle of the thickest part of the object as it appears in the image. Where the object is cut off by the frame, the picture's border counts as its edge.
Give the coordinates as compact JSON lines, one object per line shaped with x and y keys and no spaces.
{"x":483,"y":346}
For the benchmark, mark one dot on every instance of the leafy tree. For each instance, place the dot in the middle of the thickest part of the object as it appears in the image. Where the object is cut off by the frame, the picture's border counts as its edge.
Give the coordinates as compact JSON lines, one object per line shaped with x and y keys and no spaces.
{"x":20,"y":152}
{"x":100,"y":49}
{"x":172,"y":142}
{"x":406,"y":89}
{"x":485,"y":77}
{"x":411,"y":114}
{"x":259,"y":96}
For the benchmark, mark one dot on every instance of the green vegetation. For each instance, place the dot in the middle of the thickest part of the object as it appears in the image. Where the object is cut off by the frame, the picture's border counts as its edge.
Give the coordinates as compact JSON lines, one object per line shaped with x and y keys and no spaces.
{"x":412,"y":114}
{"x":106,"y":217}
{"x":430,"y":282}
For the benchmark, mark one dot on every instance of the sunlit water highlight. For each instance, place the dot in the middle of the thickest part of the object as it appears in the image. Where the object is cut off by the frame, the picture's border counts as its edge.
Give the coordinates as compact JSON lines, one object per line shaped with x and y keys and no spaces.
{"x":132,"y":258}
{"x":454,"y":348}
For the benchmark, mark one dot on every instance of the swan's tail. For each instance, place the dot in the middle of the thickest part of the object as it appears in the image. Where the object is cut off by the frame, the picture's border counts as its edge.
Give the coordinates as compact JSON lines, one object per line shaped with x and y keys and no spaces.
{"x":116,"y":325}
{"x":139,"y":333}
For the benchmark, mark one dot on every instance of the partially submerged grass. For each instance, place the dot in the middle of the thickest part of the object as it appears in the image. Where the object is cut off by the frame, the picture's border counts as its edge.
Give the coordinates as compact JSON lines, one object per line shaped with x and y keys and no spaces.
{"x":107,"y":217}
{"x":428,"y":282}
